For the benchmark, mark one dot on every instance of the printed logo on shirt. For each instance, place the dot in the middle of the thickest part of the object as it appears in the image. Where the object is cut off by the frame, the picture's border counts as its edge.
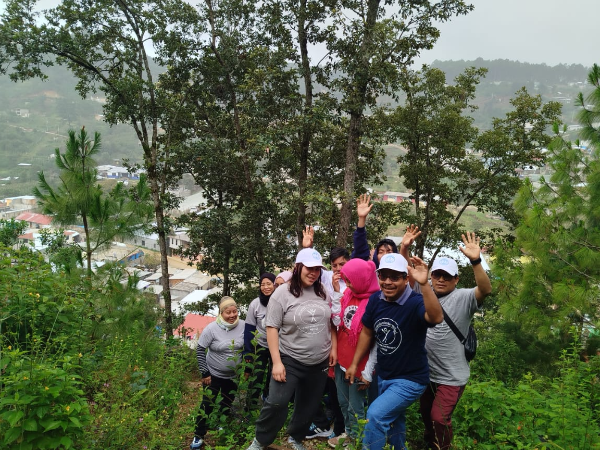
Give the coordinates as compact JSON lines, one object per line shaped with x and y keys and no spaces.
{"x":312,"y":317}
{"x":349,"y":314}
{"x":388,"y":336}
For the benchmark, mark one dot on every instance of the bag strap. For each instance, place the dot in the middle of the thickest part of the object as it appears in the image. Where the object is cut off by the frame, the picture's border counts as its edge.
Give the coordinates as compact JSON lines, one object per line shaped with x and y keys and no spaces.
{"x":457,"y":332}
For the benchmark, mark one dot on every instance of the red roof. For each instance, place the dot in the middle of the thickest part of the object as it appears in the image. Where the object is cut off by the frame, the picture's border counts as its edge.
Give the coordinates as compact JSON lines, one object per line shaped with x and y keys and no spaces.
{"x":34,"y":218}
{"x":28,"y":236}
{"x":194,"y":324}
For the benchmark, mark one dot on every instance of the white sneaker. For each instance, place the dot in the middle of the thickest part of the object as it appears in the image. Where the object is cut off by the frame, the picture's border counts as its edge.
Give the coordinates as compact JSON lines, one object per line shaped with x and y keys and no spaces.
{"x":295,"y":444}
{"x":315,"y":432}
{"x":255,"y":445}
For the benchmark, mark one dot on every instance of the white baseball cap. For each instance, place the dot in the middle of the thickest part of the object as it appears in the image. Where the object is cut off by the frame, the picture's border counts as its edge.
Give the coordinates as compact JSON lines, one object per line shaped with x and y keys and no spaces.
{"x":448,"y":265}
{"x":393,"y":261}
{"x":309,"y":257}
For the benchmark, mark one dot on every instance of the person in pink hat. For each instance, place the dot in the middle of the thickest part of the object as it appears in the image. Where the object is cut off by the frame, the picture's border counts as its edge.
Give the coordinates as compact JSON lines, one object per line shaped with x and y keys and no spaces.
{"x":361,"y":281}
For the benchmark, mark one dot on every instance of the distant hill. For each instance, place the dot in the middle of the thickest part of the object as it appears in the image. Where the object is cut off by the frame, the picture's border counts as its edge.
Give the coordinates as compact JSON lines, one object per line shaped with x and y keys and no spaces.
{"x":36,"y":115}
{"x":504,"y":70}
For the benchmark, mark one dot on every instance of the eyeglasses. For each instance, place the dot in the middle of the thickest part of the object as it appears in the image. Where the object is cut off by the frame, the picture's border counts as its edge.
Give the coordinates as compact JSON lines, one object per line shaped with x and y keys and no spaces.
{"x":395,"y":276}
{"x":437,"y":274}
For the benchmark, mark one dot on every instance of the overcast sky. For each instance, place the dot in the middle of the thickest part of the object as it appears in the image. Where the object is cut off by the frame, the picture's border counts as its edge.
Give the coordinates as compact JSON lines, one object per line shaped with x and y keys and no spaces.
{"x":534,"y":31}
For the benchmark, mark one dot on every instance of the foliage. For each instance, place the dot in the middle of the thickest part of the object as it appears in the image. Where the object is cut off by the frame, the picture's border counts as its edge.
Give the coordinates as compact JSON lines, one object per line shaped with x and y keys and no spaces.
{"x":104,"y":46}
{"x":10,"y":230}
{"x":551,"y":271}
{"x":64,"y":255}
{"x":445,"y":180}
{"x":537,"y":413}
{"x":84,"y":363}
{"x":79,"y":197}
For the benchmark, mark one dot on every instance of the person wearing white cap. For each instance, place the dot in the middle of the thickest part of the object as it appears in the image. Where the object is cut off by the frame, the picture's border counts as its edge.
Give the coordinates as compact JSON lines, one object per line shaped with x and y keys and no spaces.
{"x":397,"y":319}
{"x":449,"y":369}
{"x":301,"y":339}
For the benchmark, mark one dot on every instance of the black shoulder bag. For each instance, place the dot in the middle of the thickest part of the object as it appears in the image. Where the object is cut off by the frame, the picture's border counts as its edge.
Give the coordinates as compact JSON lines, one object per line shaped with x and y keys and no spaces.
{"x":470,"y":342}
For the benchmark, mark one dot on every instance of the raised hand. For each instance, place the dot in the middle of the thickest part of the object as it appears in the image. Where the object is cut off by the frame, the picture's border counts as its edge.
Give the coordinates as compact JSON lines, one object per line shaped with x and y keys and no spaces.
{"x":363,"y":208}
{"x":419,"y":271}
{"x":412,"y":233}
{"x":471,"y":249}
{"x":308,"y":237}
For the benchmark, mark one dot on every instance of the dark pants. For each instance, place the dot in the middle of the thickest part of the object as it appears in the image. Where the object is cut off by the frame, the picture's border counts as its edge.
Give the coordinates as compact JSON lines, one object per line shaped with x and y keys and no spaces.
{"x":227,"y":388}
{"x":258,"y":384}
{"x":437,"y":405}
{"x":308,"y":383}
{"x":333,"y":405}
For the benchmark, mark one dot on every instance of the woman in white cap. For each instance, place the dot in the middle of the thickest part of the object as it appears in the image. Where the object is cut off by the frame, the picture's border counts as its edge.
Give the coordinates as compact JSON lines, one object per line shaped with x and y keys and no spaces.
{"x":302,"y":346}
{"x":218,"y":354}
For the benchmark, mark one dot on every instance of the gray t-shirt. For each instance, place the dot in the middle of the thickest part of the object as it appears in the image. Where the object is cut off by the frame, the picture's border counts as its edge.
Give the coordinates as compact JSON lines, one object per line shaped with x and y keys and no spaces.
{"x":222,"y":357}
{"x":256,"y":316}
{"x":304,"y":324}
{"x":447,"y":362}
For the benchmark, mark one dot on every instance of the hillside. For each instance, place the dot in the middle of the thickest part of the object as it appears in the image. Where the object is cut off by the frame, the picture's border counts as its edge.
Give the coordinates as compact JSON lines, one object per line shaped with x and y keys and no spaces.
{"x":35,"y":115}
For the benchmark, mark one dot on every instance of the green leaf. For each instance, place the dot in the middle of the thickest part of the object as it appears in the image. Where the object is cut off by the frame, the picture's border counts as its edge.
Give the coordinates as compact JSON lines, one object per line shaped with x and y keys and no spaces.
{"x":30,"y":425}
{"x":76,"y":421}
{"x":52,"y":425}
{"x":15,"y":417}
{"x":66,"y":442}
{"x":12,"y":434}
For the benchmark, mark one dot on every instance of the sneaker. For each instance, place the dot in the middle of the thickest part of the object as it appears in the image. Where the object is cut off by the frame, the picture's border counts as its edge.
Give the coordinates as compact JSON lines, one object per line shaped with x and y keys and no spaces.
{"x":196,"y":443}
{"x":341,"y":439}
{"x":315,"y":432}
{"x":295,"y":444}
{"x":255,"y":445}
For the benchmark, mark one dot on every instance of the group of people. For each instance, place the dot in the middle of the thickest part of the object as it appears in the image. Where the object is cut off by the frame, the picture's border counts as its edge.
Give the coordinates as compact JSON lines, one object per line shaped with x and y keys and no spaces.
{"x":376,"y":325}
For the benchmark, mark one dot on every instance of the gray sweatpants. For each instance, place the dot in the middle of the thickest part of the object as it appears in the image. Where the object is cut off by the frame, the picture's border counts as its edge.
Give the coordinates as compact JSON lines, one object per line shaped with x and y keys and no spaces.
{"x":307,"y":382}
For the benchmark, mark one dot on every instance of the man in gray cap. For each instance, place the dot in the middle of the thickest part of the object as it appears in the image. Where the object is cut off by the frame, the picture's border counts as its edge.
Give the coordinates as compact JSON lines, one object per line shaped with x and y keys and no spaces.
{"x":449,"y":369}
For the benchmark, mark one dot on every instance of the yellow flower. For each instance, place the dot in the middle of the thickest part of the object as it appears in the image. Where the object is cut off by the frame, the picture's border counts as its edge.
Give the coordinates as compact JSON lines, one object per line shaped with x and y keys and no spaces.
{"x":68,"y":408}
{"x":25,"y":378}
{"x":46,"y":388}
{"x":10,"y":347}
{"x":37,"y":295}
{"x":80,"y":355}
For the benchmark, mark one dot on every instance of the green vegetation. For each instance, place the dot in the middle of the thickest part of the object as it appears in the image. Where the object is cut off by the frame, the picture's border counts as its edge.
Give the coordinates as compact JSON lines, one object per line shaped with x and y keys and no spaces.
{"x":87,"y":369}
{"x":79,"y":197}
{"x":84,"y":361}
{"x":84,"y":367}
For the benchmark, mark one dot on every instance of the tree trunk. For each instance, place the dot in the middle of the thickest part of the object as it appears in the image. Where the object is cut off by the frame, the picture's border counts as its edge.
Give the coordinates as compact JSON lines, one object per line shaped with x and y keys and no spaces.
{"x":357,"y":100}
{"x":88,"y":248}
{"x":306,"y":132}
{"x":163,"y":247}
{"x":349,"y":178}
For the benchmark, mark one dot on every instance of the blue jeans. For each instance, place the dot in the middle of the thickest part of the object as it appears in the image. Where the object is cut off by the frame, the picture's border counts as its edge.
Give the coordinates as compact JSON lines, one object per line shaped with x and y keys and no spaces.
{"x":386,"y":415}
{"x":352,"y":402}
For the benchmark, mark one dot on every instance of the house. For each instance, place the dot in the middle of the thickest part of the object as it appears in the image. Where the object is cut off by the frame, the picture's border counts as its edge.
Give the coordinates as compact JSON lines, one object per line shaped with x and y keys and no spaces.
{"x":178,"y":241}
{"x":73,"y":237}
{"x":192,"y":328}
{"x":33,"y":240}
{"x":197,"y":296}
{"x":396,"y":197}
{"x":180,"y":276}
{"x":34,"y":220}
